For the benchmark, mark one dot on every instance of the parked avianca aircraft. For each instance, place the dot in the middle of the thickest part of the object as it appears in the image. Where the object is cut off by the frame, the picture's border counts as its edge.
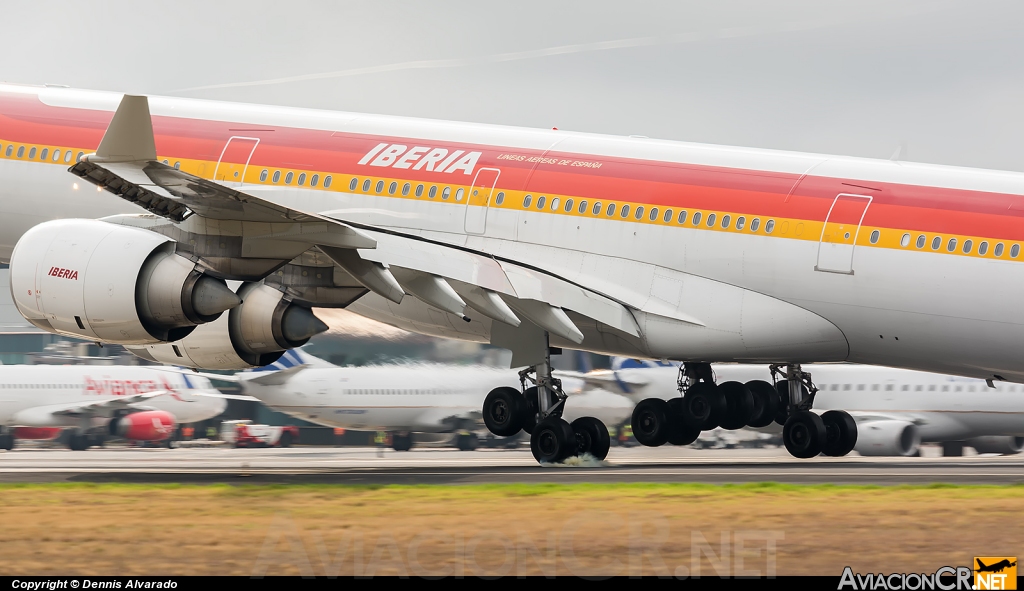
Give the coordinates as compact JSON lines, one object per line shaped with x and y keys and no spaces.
{"x":406,"y":398}
{"x":895,"y":409}
{"x":133,"y":402}
{"x":523,"y":238}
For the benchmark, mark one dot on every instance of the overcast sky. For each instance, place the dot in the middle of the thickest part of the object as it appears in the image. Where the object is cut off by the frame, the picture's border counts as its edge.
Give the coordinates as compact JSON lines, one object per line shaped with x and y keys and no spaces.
{"x":859,"y":78}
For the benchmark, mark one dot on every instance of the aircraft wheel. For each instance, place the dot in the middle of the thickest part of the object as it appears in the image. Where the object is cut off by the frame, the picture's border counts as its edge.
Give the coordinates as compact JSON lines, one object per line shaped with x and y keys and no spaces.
{"x":766,"y":403}
{"x":530,"y":420}
{"x":739,"y":404}
{"x":7,"y":441}
{"x":804,"y":434}
{"x":840,"y":433}
{"x":651,"y":422}
{"x":286,"y":439}
{"x":680,"y":432}
{"x":401,"y":441}
{"x":591,"y":437}
{"x":782,"y":388}
{"x":552,"y":440}
{"x":504,"y":411}
{"x":78,"y":442}
{"x":704,"y":406}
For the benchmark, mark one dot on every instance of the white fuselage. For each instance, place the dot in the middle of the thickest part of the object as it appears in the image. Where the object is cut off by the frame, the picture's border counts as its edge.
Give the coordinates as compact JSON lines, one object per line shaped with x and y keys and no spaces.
{"x":33,"y":395}
{"x":414,"y":397}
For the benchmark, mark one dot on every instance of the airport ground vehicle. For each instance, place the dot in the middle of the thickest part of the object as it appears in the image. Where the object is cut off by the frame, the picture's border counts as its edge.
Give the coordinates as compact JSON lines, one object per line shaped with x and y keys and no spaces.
{"x":245,"y":433}
{"x":527,"y":239}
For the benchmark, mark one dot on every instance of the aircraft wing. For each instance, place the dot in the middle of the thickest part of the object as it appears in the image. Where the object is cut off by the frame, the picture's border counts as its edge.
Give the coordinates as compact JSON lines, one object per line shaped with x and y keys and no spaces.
{"x":606,"y":379}
{"x":868,"y":416}
{"x":103,"y":406}
{"x":445,"y":277}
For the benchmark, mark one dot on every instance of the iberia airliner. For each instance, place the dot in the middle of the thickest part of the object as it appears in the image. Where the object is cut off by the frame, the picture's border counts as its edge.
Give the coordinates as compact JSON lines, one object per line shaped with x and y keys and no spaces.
{"x":524,"y":238}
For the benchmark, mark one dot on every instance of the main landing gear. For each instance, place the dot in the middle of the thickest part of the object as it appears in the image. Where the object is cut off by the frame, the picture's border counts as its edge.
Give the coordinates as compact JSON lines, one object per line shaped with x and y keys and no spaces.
{"x":538,"y":411}
{"x":705,"y":405}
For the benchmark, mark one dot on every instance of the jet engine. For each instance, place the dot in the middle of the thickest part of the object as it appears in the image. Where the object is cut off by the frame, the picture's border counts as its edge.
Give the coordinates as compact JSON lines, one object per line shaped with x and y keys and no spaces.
{"x":110,"y":283}
{"x":997,"y":444}
{"x":147,"y":425}
{"x":255,"y":333}
{"x":887,"y":438}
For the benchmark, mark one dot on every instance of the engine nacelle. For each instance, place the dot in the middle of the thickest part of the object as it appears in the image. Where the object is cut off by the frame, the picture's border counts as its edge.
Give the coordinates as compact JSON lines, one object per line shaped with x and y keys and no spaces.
{"x":117,"y":284}
{"x":147,"y":425}
{"x":997,"y":444}
{"x":253,"y":334}
{"x":887,"y":438}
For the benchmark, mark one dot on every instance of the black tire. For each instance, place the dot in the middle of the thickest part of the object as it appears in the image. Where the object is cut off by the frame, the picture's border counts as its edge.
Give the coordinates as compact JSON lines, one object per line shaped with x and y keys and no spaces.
{"x":552,"y":440}
{"x":7,"y":441}
{"x":533,"y":408}
{"x":286,"y":439}
{"x":766,"y":403}
{"x":77,"y":442}
{"x":650,"y":422}
{"x":591,"y":437}
{"x":840,"y":433}
{"x":400,"y":442}
{"x":704,"y":406}
{"x":680,"y":432}
{"x":504,"y":411}
{"x":804,"y":434}
{"x":782,"y":389}
{"x":467,"y":442}
{"x":739,"y":404}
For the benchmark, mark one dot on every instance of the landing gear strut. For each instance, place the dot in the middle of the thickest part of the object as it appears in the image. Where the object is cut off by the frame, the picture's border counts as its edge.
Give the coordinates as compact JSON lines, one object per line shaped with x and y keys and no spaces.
{"x":538,"y":411}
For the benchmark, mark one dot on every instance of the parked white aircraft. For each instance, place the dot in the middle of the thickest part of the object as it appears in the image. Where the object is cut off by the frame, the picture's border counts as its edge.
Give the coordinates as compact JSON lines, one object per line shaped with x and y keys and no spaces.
{"x":895,"y":409}
{"x":135,"y":402}
{"x":405,"y":398}
{"x":523,"y":238}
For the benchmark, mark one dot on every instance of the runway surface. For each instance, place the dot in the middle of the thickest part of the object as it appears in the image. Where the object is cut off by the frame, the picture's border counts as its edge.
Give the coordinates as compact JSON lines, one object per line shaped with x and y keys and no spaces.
{"x":447,"y":466}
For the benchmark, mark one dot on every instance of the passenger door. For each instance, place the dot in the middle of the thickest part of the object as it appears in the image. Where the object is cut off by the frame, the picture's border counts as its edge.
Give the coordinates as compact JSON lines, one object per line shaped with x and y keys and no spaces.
{"x":234,"y":160}
{"x":480,"y":195}
{"x":839,"y":233}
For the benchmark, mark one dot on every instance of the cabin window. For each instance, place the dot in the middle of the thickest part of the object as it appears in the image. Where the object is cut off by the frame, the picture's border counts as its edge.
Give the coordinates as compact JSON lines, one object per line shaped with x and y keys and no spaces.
{"x":711,"y":220}
{"x":177,"y":165}
{"x":541,"y":201}
{"x":905,"y":240}
{"x":392,"y":188}
{"x":459,"y":194}
{"x":1015,"y":250}
{"x":46,"y":152}
{"x":921,"y":240}
{"x":696,"y":218}
{"x":583,"y":207}
{"x":951,"y":245}
{"x":755,"y":224}
{"x":263,"y":175}
{"x":624,"y":212}
{"x":725,"y":221}
{"x":500,"y":198}
{"x":32,"y":153}
{"x":366,"y":185}
{"x":983,"y":248}
{"x":288,"y":178}
{"x":21,"y":151}
{"x":79,"y":157}
{"x":10,"y":150}
{"x":419,"y":190}
{"x":740,"y":222}
{"x":668,"y":216}
{"x":968,"y":244}
{"x":568,"y":205}
{"x":277,"y":176}
{"x":554,"y":204}
{"x":314,"y":180}
{"x":610,"y":211}
{"x":379,"y":187}
{"x":936,"y":242}
{"x":352,"y":184}
{"x":998,"y":250}
{"x":446,"y":193}
{"x":527,"y":200}
{"x":874,"y":236}
{"x":432,"y":192}
{"x":56,"y":155}
{"x":769,"y":226}
{"x":302,"y":179}
{"x":682,"y":217}
{"x":327,"y":182}
{"x":639,"y":212}
{"x":405,"y":189}
{"x":654,"y":214}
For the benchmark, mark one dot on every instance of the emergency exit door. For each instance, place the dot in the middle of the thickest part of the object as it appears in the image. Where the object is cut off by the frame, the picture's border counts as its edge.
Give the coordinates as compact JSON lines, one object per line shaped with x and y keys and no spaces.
{"x":234,"y":160}
{"x":840,"y":232}
{"x":480,"y":196}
